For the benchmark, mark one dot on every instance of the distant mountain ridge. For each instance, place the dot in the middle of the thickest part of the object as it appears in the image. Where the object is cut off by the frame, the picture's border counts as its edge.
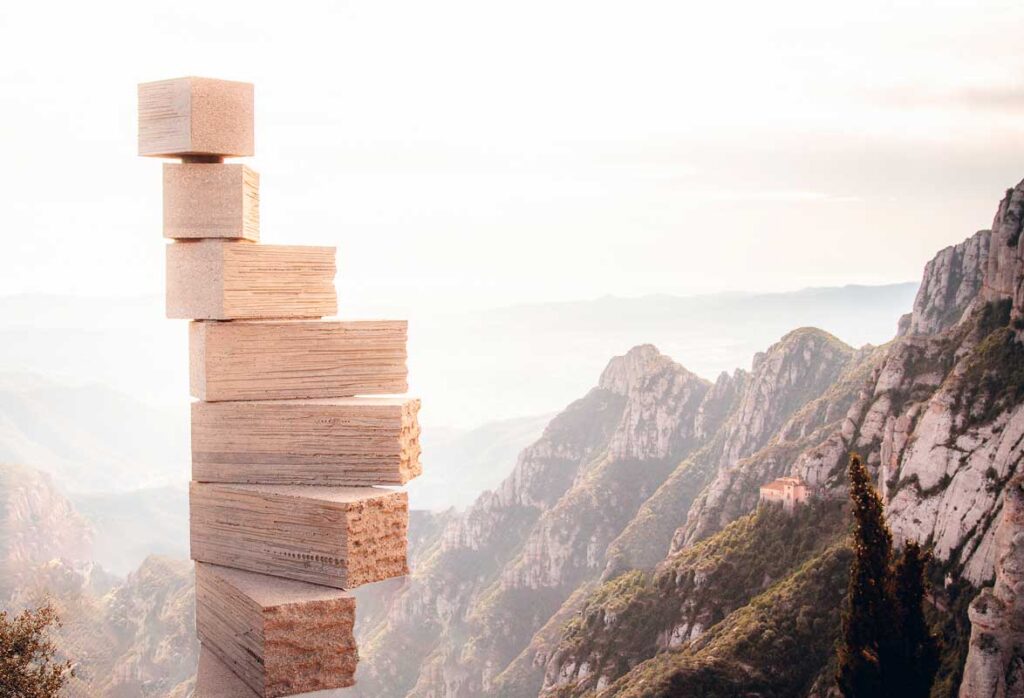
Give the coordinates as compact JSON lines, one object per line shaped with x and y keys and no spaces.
{"x":470,"y":368}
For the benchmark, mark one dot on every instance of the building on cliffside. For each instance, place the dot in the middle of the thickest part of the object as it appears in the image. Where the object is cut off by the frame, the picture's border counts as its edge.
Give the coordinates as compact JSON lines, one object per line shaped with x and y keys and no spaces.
{"x":787,"y":491}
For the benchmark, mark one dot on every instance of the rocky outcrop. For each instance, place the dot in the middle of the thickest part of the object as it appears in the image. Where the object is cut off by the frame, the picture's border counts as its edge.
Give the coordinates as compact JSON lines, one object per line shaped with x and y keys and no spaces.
{"x":799,"y":368}
{"x":37,"y":524}
{"x":1004,"y":273}
{"x":798,"y":390}
{"x":995,"y":662}
{"x":951,"y":282}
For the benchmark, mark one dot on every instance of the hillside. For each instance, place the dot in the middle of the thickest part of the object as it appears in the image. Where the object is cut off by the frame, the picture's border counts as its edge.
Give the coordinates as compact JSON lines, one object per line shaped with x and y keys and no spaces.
{"x":126,"y":637}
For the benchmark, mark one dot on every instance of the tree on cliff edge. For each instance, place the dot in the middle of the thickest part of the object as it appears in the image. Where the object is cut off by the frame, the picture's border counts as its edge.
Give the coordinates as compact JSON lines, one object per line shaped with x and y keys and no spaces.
{"x":869,"y":612}
{"x":28,"y":668}
{"x":918,"y":652}
{"x":886,"y":649}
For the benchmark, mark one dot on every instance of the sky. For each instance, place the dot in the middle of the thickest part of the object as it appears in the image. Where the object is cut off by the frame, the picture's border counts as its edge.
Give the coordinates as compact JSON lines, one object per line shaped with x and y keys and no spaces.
{"x":476,"y":154}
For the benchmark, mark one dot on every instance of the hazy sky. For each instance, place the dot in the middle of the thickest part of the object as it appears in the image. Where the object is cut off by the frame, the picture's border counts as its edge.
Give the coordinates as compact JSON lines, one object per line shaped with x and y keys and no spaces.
{"x":481,"y":153}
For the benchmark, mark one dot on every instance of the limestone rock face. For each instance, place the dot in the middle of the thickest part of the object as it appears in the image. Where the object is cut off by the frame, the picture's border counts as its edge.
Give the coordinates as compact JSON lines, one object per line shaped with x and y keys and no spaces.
{"x":792,"y":373}
{"x":951,"y":281}
{"x":995,"y":662}
{"x":1004,"y":273}
{"x":37,"y":524}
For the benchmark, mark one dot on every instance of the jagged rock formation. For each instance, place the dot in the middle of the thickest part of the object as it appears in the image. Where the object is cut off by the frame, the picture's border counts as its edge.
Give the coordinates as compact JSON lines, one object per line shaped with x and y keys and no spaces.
{"x":799,"y":368}
{"x":995,"y":665}
{"x":37,"y":524}
{"x":597,"y":567}
{"x":1004,"y":272}
{"x":951,"y":281}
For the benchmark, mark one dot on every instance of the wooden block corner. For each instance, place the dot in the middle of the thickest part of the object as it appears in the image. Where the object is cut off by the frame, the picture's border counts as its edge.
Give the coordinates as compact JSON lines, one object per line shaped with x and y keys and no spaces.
{"x":210,"y":201}
{"x":194,"y":116}
{"x":281,"y":637}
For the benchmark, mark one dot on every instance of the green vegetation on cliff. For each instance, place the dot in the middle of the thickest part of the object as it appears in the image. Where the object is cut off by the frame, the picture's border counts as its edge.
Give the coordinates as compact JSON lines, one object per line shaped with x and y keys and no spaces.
{"x":775,"y":645}
{"x":630,"y":618}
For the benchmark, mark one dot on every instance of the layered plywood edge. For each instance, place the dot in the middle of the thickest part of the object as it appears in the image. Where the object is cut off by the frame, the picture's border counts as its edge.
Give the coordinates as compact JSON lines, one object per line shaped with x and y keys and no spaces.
{"x":196,"y":116}
{"x":281,"y":637}
{"x":211,"y":201}
{"x":297,"y":359}
{"x":229,"y":280}
{"x":215,"y":680}
{"x":338,"y":441}
{"x":339,"y":537}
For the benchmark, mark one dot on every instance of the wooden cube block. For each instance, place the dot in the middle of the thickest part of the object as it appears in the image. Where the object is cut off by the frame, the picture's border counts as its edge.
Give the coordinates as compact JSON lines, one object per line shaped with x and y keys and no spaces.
{"x":215,"y":680}
{"x":195,"y":116}
{"x":330,"y":441}
{"x":229,"y":280}
{"x":211,"y":201}
{"x":281,"y":637}
{"x":335,"y":536}
{"x":298,"y":359}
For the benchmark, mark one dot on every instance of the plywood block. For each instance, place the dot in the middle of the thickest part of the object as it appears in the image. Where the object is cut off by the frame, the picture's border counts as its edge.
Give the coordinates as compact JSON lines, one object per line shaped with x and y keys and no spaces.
{"x":329,"y":441}
{"x":215,"y":680}
{"x":195,"y":116}
{"x":211,"y":201}
{"x":280,"y":636}
{"x":229,"y":280}
{"x":335,"y":536}
{"x":298,"y":359}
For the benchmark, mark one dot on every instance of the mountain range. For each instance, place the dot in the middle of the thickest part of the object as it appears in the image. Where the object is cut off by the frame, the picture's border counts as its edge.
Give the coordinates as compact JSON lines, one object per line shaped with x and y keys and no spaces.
{"x":625,"y":553}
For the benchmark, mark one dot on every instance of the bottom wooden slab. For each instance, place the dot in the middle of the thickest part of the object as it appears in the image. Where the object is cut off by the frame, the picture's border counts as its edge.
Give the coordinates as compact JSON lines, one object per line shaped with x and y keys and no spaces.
{"x":279,"y":636}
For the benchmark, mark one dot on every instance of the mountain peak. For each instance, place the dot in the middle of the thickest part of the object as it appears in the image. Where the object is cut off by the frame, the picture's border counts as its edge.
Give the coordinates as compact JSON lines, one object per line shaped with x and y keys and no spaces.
{"x":623,"y":373}
{"x":951,"y":281}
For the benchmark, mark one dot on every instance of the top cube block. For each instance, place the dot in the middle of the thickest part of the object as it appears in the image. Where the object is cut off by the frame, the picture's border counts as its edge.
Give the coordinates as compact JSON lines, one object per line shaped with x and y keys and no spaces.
{"x":196,"y":117}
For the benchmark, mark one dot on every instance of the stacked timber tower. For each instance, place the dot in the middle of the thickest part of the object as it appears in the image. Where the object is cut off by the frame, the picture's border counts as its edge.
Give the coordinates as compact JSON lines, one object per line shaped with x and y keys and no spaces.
{"x":292,"y":500}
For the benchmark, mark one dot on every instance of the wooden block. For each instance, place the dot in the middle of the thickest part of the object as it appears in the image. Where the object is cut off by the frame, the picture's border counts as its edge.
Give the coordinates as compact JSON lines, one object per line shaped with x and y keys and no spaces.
{"x":211,"y":201}
{"x":229,"y":280}
{"x":281,"y":637}
{"x":215,"y":680}
{"x":335,"y":536}
{"x":298,"y":359}
{"x":332,"y":441}
{"x":195,"y":117}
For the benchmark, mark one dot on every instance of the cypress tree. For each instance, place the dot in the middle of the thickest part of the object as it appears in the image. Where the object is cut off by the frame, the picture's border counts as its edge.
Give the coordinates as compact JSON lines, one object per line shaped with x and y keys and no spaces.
{"x":886,"y":649}
{"x":917,"y":654}
{"x":868,"y":616}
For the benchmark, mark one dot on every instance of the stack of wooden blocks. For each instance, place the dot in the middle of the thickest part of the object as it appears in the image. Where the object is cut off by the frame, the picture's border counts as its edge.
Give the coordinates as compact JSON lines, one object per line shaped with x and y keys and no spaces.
{"x":288,"y":508}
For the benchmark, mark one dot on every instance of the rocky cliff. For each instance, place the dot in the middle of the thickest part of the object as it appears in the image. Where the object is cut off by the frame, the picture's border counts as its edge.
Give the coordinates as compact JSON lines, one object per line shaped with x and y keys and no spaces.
{"x":618,"y":558}
{"x":951,"y":282}
{"x":995,"y":665}
{"x":37,"y":524}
